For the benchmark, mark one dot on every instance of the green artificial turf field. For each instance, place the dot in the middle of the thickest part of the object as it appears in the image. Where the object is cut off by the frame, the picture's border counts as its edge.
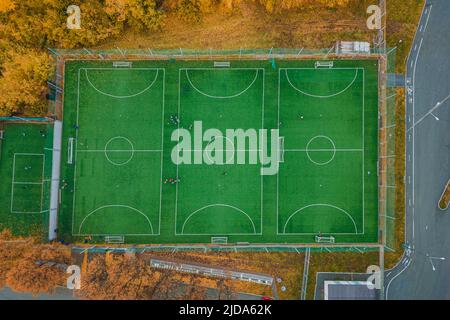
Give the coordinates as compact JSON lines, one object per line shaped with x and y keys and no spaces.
{"x":120,"y":176}
{"x":25,"y":166}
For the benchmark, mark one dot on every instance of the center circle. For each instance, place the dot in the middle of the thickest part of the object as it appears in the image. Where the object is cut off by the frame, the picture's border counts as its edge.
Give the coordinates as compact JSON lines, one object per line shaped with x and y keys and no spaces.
{"x":227,"y":142}
{"x":119,"y":151}
{"x":324,"y":146}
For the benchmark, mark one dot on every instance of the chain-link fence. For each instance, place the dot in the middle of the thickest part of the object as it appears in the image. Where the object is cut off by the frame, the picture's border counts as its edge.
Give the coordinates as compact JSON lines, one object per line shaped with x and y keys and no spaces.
{"x":47,"y":179}
{"x":230,"y":248}
{"x":387,"y":152}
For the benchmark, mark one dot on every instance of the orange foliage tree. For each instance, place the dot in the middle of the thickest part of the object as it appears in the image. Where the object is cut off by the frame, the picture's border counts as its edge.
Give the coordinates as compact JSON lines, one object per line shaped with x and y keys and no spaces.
{"x":41,"y":269}
{"x":122,"y":276}
{"x":23,"y":83}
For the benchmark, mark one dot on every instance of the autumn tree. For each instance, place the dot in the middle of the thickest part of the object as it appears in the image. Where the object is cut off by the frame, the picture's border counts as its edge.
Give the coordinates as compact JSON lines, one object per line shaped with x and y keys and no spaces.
{"x":11,"y":251}
{"x":117,"y":276}
{"x":143,"y":15}
{"x":6,"y":5}
{"x":23,"y":83}
{"x":193,"y":291}
{"x":276,"y":5}
{"x":42,"y":23}
{"x":224,"y":289}
{"x":192,"y":10}
{"x":40,"y":270}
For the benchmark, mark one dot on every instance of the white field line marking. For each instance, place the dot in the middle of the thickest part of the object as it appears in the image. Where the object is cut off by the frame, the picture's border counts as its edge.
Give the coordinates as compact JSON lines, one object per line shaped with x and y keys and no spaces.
{"x":76,"y":153}
{"x":321,"y":205}
{"x":220,"y":97}
{"x":28,"y":154}
{"x":262,"y":127}
{"x":320,"y":96}
{"x":241,"y":150}
{"x":176,"y":185}
{"x":323,"y":137}
{"x":125,"y":150}
{"x":116,"y":206}
{"x":130,"y":151}
{"x":76,"y":146}
{"x":162,"y":148}
{"x":221,"y":150}
{"x":278,"y":127}
{"x":218,"y":205}
{"x":125,"y":96}
{"x":304,"y":150}
{"x":364,"y":147}
{"x":13,"y":182}
{"x":324,"y":150}
{"x":42,"y":180}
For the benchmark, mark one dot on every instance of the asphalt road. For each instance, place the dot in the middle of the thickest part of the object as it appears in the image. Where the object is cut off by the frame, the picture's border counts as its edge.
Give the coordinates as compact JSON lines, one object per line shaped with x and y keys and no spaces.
{"x":424,"y":271}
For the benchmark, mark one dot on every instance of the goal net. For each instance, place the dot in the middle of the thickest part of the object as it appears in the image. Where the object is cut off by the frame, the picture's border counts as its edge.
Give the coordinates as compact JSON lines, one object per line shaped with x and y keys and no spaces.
{"x":122,"y":64}
{"x":114,"y":239}
{"x":323,"y":64}
{"x":320,"y":239}
{"x":219,"y":240}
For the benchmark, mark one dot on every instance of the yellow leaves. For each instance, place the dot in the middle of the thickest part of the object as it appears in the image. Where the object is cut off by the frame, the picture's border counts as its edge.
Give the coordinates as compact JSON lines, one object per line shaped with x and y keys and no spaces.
{"x":228,"y":5}
{"x":276,"y":5}
{"x":23,"y":83}
{"x":18,"y":264}
{"x":116,"y":8}
{"x":6,"y":5}
{"x":143,"y":14}
{"x":28,"y":275}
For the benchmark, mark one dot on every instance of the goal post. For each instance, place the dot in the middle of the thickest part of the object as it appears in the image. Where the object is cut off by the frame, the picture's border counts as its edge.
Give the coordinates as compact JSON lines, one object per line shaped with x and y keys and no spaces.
{"x":122,"y":64}
{"x":221,"y":64}
{"x":322,"y":239}
{"x":115,"y":239}
{"x":219,"y":240}
{"x":281,"y":149}
{"x":323,"y":64}
{"x":70,"y":151}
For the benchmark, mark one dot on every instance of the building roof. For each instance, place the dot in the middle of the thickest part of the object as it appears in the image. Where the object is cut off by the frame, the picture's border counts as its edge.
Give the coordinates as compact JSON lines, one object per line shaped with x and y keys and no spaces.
{"x":349,"y":290}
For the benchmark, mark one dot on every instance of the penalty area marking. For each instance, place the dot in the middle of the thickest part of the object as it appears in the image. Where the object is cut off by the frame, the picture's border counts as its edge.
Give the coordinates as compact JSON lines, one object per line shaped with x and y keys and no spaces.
{"x":115,"y":206}
{"x":320,"y":205}
{"x":116,"y":96}
{"x":220,"y":97}
{"x":218,"y":205}
{"x":320,"y":96}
